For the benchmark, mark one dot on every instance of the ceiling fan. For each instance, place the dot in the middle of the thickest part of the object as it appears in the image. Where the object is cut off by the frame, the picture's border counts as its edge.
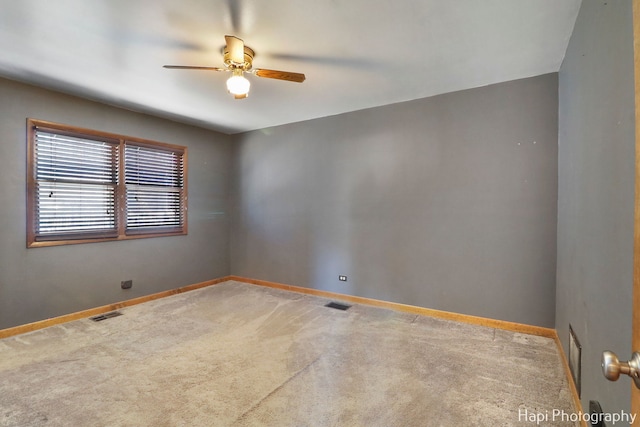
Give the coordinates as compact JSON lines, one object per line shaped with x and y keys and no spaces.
{"x":238,"y":59}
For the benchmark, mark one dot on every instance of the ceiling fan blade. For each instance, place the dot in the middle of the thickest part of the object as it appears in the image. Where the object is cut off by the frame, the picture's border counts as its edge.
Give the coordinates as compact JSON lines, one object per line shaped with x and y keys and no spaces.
{"x":280,"y":75}
{"x":236,"y":49}
{"x":334,"y":61}
{"x":235,"y":12}
{"x":192,"y":67}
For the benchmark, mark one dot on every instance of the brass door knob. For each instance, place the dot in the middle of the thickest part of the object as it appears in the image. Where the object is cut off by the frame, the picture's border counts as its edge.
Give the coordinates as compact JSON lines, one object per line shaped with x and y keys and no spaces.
{"x":612,"y":367}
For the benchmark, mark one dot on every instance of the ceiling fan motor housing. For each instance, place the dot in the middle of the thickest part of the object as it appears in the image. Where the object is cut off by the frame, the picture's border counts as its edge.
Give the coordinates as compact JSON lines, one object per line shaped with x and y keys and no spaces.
{"x":248,"y":59}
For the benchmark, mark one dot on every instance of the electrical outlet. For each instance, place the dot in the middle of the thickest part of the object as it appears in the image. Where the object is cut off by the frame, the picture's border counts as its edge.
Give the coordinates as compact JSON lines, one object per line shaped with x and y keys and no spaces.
{"x":342,"y":278}
{"x":126,"y":284}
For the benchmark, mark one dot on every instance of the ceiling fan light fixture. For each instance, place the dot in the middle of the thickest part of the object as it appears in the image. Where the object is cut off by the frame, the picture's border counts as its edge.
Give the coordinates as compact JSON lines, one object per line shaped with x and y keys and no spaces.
{"x":238,"y":85}
{"x":238,"y":59}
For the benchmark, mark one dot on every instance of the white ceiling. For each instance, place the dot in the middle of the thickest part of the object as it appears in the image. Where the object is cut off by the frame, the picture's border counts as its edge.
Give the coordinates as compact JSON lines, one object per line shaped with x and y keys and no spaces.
{"x":356,"y":54}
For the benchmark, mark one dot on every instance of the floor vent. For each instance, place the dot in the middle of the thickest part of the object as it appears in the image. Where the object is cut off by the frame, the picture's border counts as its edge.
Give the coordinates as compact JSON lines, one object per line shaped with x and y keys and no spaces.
{"x":338,"y":306}
{"x":106,"y":316}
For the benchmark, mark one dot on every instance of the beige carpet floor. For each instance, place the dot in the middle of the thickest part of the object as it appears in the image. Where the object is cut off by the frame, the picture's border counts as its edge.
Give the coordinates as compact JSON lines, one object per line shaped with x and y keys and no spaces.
{"x":241,"y":355}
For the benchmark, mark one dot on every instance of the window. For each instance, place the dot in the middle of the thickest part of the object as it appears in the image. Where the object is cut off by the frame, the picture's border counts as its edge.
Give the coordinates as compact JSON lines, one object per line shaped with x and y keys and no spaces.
{"x":87,"y":186}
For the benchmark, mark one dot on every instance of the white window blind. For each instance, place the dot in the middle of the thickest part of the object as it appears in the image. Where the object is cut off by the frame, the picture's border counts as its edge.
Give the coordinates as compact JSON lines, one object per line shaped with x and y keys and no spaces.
{"x":76,"y":181}
{"x":85,"y":185}
{"x":154,"y":187}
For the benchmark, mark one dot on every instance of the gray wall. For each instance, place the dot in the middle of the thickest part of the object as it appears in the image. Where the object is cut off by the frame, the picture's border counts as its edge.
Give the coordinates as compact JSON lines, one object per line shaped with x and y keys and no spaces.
{"x":447,"y":202}
{"x":596,"y":194}
{"x":43,"y":282}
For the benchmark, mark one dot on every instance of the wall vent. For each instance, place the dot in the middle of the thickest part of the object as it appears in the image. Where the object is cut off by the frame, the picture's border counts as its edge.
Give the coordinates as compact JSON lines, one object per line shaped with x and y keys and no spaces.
{"x":338,"y":306}
{"x":575,"y":359}
{"x":106,"y":316}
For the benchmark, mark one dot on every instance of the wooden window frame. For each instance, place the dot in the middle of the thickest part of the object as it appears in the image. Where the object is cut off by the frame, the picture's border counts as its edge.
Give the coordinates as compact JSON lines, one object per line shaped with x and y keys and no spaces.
{"x":120,"y":214}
